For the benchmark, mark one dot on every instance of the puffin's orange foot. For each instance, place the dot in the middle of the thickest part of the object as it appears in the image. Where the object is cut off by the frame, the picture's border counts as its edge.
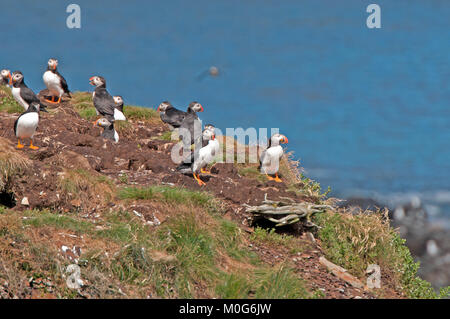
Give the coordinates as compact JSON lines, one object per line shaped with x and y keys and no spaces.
{"x":34,"y":147}
{"x":20,"y":145}
{"x":270,"y":178}
{"x":199,"y":181}
{"x":204,"y":171}
{"x":277,"y":179}
{"x":59,"y":100}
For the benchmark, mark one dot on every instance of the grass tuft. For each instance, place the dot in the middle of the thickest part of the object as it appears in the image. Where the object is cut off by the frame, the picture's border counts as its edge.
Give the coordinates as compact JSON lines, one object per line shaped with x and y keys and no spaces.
{"x":12,"y":164}
{"x":166,"y":194}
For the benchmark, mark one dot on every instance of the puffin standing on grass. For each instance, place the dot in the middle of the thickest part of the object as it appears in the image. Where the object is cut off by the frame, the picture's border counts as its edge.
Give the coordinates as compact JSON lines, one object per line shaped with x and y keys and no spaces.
{"x":5,"y":77}
{"x":103,"y":101}
{"x":269,"y":160}
{"x":55,"y":82}
{"x":108,"y":129}
{"x":118,"y":110}
{"x":26,"y":124}
{"x":24,"y":95}
{"x":205,"y":155}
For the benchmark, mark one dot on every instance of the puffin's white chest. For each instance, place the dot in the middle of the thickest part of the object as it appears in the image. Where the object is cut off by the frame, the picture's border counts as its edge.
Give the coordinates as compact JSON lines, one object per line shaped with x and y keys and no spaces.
{"x":27,"y":124}
{"x":16,"y":94}
{"x":119,"y":116}
{"x":53,"y":83}
{"x":116,"y":136}
{"x":206,"y":155}
{"x":271,"y":161}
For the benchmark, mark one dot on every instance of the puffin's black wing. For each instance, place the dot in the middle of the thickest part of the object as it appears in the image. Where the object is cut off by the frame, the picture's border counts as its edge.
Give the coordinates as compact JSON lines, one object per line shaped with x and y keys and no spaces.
{"x":261,"y":158}
{"x":28,"y":95}
{"x":108,"y":132}
{"x":104,"y":103}
{"x":64,"y":85}
{"x":15,"y":125}
{"x":192,"y":125}
{"x":120,"y":107}
{"x":173,"y":117}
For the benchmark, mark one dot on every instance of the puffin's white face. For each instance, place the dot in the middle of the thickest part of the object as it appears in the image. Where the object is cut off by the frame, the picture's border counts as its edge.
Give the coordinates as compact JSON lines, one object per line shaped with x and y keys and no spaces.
{"x":17,"y":77}
{"x":5,"y":74}
{"x":97,"y":81}
{"x":52,"y":63}
{"x":103,"y":122}
{"x":278,"y":139}
{"x":210,"y":127}
{"x":208,"y":134}
{"x":196,"y":107}
{"x":163,"y":106}
{"x":118,"y":100}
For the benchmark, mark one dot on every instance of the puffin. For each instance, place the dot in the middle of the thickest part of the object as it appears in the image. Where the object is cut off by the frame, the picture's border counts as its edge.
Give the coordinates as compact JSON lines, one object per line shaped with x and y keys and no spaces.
{"x":118,"y":109}
{"x":108,"y":129}
{"x":26,"y":124}
{"x":24,"y":95}
{"x":192,"y":124}
{"x":55,"y":82}
{"x":5,"y":77}
{"x":103,"y":101}
{"x":205,"y":155}
{"x":269,"y":159}
{"x":186,"y":166}
{"x":170,"y":115}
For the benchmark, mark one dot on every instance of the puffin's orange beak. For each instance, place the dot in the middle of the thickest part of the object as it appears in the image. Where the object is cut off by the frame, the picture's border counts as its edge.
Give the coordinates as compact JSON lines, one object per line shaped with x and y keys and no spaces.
{"x":10,"y":78}
{"x":285,"y":140}
{"x":90,"y":81}
{"x":201,"y":107}
{"x":213,"y":137}
{"x":157,"y":108}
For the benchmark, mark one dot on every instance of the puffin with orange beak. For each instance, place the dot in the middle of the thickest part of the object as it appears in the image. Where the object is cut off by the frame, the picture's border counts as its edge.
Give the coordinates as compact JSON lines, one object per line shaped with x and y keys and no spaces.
{"x":5,"y":77}
{"x":55,"y":82}
{"x":269,"y":160}
{"x":103,"y":101}
{"x":205,"y":155}
{"x":173,"y":116}
{"x":190,"y":130}
{"x":22,"y":93}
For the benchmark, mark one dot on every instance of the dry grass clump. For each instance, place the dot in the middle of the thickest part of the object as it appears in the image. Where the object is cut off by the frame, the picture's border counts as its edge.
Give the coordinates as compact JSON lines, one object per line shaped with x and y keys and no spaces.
{"x":85,"y":188}
{"x":12,"y":163}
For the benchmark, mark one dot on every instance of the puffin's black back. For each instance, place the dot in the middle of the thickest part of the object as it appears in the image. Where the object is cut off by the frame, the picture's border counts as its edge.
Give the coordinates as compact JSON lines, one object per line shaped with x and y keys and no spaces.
{"x":104,"y":103}
{"x":64,"y":85}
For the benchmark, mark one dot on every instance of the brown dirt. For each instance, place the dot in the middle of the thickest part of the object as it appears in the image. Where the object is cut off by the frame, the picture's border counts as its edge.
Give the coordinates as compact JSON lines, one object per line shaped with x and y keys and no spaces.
{"x":69,"y":142}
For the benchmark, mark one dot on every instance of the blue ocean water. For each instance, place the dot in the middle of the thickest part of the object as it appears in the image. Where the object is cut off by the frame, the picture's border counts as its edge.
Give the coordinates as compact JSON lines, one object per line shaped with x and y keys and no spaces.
{"x":365,"y":110}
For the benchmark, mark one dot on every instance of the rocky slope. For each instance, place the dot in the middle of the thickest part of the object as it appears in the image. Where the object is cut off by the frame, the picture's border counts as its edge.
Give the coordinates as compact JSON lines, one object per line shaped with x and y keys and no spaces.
{"x":138,"y":229}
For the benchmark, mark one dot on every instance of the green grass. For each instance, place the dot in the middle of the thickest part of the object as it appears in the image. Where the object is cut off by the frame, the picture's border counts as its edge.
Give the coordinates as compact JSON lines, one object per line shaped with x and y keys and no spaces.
{"x":8,"y":103}
{"x":280,"y":283}
{"x":88,"y":113}
{"x":41,"y":218}
{"x":140,"y":113}
{"x":355,"y":241}
{"x":166,"y":194}
{"x":252,"y":172}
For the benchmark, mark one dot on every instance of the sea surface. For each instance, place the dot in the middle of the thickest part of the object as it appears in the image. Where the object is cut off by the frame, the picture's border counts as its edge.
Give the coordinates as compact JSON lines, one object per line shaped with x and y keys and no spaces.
{"x":367,"y":111}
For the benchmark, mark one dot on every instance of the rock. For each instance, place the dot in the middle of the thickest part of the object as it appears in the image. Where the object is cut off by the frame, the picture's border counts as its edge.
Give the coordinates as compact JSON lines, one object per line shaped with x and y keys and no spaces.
{"x":25,"y":201}
{"x":341,"y":273}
